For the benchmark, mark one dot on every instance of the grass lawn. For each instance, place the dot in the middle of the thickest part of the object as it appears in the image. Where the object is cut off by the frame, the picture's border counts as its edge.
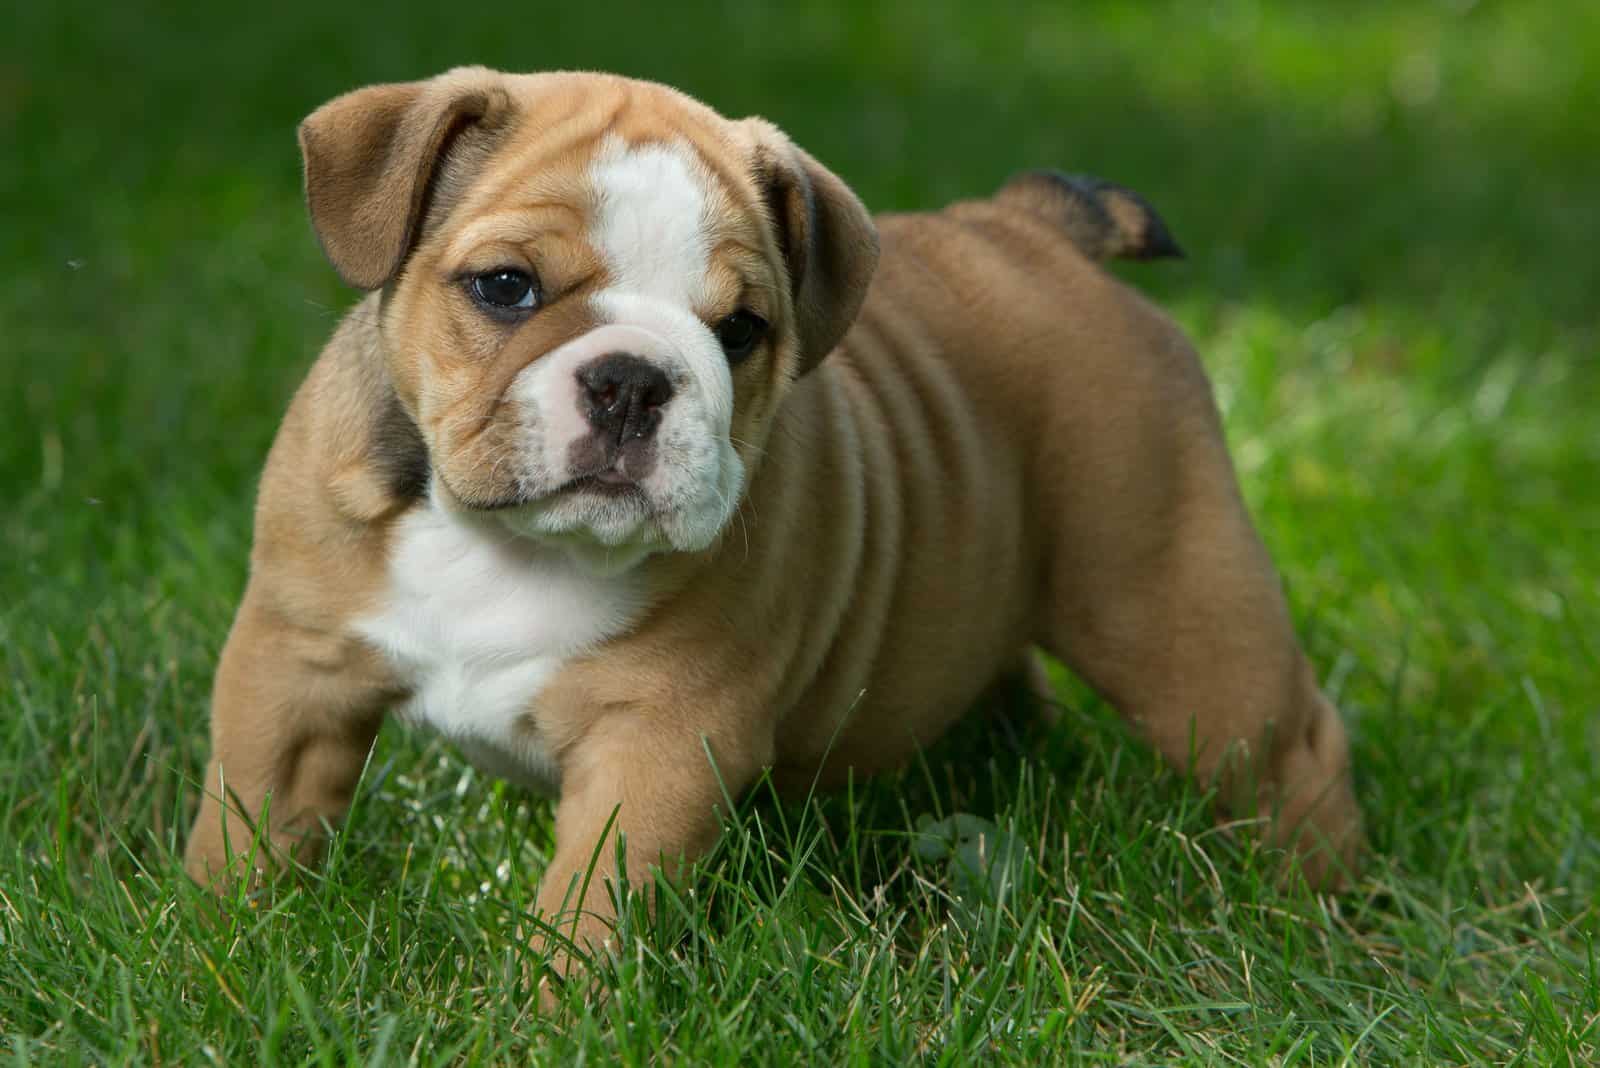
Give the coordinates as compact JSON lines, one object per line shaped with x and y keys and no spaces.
{"x":1392,"y":213}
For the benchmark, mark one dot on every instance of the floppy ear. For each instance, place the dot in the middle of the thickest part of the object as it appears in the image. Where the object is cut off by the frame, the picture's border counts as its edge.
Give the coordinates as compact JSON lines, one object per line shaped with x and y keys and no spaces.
{"x":372,"y":157}
{"x":827,"y":239}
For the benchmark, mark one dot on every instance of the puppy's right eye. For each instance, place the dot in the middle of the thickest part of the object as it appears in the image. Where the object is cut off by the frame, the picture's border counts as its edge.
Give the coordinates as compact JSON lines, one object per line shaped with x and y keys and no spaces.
{"x":506,"y":289}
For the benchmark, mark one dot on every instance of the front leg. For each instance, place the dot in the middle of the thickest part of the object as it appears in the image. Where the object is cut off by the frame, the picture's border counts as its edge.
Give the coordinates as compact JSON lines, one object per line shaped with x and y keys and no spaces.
{"x":658,"y":782}
{"x":293,"y":717}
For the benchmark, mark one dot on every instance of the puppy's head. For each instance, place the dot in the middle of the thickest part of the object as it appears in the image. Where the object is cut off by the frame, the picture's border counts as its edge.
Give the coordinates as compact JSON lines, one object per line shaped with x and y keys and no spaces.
{"x":595,"y":291}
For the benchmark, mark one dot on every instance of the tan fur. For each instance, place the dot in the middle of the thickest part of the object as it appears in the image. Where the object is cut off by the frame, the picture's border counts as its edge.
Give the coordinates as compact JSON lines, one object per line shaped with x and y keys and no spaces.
{"x":1009,"y":448}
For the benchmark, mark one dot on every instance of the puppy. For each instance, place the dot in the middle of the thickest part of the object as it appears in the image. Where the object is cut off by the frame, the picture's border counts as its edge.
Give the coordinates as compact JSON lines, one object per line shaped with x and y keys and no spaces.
{"x":652,"y":462}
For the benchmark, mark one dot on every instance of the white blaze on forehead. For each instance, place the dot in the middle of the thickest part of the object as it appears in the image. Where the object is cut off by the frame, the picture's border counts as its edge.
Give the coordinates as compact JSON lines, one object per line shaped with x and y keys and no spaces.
{"x":651,"y":224}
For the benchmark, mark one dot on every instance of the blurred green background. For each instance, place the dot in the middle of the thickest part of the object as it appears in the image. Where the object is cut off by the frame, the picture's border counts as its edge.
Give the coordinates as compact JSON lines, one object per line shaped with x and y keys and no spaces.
{"x":1391,"y":212}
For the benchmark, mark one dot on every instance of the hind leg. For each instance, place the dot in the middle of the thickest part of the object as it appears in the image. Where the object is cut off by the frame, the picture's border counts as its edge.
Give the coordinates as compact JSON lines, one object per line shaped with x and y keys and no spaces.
{"x":1163,"y":598}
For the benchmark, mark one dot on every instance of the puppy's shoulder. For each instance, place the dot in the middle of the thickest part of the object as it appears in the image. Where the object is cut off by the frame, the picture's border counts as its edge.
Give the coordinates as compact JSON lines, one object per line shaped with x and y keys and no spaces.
{"x":347,"y":452}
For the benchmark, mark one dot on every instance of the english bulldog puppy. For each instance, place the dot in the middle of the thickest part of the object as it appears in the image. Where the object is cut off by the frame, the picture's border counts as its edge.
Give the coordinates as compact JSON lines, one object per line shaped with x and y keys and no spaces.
{"x":651,"y":462}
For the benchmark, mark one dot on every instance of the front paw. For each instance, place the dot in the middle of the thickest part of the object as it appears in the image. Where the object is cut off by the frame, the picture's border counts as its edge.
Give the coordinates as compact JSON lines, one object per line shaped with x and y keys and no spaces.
{"x":564,"y":961}
{"x":219,"y":856}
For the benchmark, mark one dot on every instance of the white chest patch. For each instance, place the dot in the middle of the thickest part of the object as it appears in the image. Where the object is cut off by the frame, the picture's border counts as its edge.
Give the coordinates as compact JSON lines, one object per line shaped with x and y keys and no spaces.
{"x":477,"y":621}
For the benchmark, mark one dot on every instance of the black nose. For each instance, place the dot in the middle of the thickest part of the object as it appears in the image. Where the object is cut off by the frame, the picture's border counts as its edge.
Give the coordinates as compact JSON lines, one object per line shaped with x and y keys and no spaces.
{"x":623,"y":396}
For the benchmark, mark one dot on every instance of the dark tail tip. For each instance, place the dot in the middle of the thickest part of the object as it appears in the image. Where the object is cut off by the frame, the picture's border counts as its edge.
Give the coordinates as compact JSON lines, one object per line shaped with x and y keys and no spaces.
{"x":1103,"y":219}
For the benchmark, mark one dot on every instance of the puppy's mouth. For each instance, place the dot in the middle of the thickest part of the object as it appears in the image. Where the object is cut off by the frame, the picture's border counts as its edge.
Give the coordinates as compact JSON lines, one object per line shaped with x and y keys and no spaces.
{"x":609,"y":483}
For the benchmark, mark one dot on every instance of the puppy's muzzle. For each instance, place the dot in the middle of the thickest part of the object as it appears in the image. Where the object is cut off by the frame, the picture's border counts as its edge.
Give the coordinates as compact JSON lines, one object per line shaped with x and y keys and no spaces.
{"x":622,"y":397}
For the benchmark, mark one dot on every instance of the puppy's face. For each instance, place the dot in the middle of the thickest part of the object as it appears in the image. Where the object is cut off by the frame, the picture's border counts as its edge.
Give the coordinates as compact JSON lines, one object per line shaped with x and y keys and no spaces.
{"x":598,"y":296}
{"x":594,"y":343}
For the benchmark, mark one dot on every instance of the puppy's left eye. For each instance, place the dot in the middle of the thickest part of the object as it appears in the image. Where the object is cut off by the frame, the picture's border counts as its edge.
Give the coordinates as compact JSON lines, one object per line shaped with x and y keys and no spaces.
{"x":740,"y":333}
{"x":506,"y":288}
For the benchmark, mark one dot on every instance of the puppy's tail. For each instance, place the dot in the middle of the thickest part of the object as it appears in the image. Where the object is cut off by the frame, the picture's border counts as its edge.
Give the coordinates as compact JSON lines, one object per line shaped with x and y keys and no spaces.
{"x":1103,"y":219}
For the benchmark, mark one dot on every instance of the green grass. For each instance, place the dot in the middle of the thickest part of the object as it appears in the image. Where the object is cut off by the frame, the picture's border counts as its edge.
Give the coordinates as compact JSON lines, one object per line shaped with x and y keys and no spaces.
{"x":1391,"y":214}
